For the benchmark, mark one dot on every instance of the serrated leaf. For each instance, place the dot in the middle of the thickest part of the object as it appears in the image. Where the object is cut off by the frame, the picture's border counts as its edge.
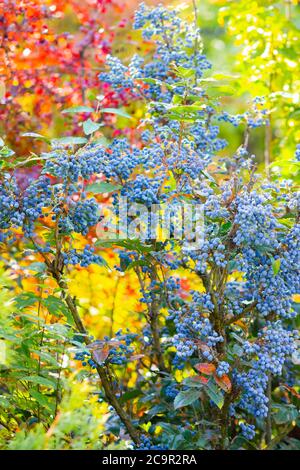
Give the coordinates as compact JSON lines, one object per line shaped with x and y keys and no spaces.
{"x":224,"y":382}
{"x":195,"y":381}
{"x":214,"y":394}
{"x":186,"y":397}
{"x":209,"y":177}
{"x":70,"y":140}
{"x":285,"y":413}
{"x":56,"y":307}
{"x":90,"y":126}
{"x":38,"y":267}
{"x":36,"y":136}
{"x":4,"y":401}
{"x":6,"y":152}
{"x":136,"y":357}
{"x":39,"y":397}
{"x":101,"y":354}
{"x":103,"y":187}
{"x":37,"y":379}
{"x":47,"y":357}
{"x":130,"y":395}
{"x":26,"y":300}
{"x":78,"y":109}
{"x":292,"y":391}
{"x":206,"y":368}
{"x":118,"y":112}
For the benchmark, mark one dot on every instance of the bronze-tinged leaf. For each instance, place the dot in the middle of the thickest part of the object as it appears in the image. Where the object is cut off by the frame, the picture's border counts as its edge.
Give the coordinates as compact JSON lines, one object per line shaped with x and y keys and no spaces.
{"x":292,"y":391}
{"x":241,"y":324}
{"x":136,"y":357}
{"x":202,"y":346}
{"x":206,"y":368}
{"x":223,"y":382}
{"x":203,"y":379}
{"x":101,"y":354}
{"x":114,"y":342}
{"x":98,"y":344}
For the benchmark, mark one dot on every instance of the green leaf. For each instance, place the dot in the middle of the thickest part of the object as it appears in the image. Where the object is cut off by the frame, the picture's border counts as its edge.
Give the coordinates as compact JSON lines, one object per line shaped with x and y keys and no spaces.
{"x":36,"y":136}
{"x":4,"y":401}
{"x":56,"y":307}
{"x":41,"y":399}
{"x":26,"y":300}
{"x":217,"y":89}
{"x":186,"y":397}
{"x":46,"y":357}
{"x":225,"y":228}
{"x":224,"y":76}
{"x":103,"y":187}
{"x":38,"y":267}
{"x":285,"y":413}
{"x":157,"y":410}
{"x":118,"y":112}
{"x":101,"y":141}
{"x":184,"y":72}
{"x":276,"y":266}
{"x":11,"y":338}
{"x":90,"y":126}
{"x":78,"y":109}
{"x":130,"y":395}
{"x":193,"y":382}
{"x":70,"y":140}
{"x":6,"y":152}
{"x":214,"y":394}
{"x":134,"y":264}
{"x":209,"y":177}
{"x":37,"y":379}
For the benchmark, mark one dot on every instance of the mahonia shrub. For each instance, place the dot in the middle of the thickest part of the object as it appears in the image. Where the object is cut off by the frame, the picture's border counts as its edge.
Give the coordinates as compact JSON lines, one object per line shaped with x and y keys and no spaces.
{"x":213,"y":367}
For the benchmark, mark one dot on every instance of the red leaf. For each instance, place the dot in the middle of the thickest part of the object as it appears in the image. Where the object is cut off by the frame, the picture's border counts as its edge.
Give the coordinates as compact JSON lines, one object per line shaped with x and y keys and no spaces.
{"x":206,"y":368}
{"x":223,"y":382}
{"x":203,"y":379}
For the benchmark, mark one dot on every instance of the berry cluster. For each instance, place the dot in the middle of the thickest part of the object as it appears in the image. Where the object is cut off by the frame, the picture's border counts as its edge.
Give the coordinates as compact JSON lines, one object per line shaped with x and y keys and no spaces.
{"x":83,"y":258}
{"x":223,"y":368}
{"x":146,"y":444}
{"x":274,"y":345}
{"x":248,"y":430}
{"x":194,"y":327}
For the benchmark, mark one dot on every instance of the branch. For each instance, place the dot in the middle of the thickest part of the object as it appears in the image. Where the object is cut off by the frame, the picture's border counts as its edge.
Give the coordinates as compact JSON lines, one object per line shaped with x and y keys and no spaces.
{"x":242,"y":314}
{"x":153,"y":313}
{"x":269,"y":416}
{"x":279,"y":438}
{"x":102,"y":372}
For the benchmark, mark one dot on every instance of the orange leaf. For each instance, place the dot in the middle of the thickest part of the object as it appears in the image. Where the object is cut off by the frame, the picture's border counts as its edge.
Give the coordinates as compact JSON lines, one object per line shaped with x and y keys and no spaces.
{"x":223,"y":382}
{"x":206,"y":368}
